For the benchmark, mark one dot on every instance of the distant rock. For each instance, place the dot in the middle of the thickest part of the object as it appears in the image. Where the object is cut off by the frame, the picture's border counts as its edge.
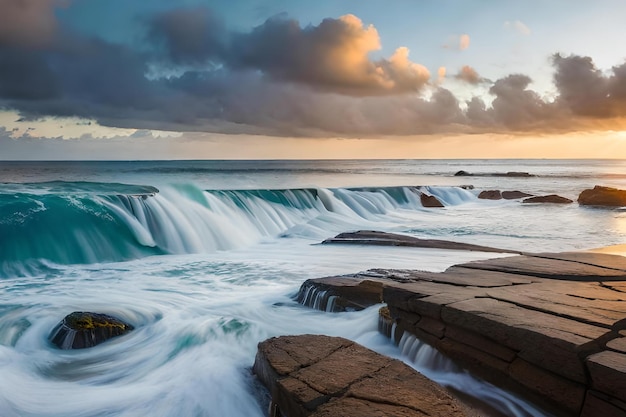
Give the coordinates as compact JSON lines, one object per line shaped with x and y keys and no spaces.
{"x":467,"y":187}
{"x":490,"y":195}
{"x":322,"y":376}
{"x":430,"y":201}
{"x":373,"y":237}
{"x":552,"y":198}
{"x":80,"y":330}
{"x":603,"y":196}
{"x":514,"y":195}
{"x":516,"y":174}
{"x":463,"y":174}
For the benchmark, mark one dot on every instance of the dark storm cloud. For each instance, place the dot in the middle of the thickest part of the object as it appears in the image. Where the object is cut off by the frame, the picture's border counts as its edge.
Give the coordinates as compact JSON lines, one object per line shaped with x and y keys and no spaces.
{"x":278,"y":79}
{"x":189,"y":36}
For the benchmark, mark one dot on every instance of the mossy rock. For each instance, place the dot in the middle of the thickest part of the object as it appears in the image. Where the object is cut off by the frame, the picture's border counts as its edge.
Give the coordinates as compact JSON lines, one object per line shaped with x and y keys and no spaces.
{"x":80,"y":330}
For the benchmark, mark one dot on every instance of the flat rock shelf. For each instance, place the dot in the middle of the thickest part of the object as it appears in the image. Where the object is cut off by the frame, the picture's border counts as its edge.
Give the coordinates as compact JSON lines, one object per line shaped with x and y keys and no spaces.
{"x":549,"y":326}
{"x":322,"y":376}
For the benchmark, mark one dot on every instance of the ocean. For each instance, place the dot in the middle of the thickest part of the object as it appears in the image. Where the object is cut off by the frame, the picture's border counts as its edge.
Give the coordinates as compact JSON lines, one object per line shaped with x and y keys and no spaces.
{"x":204,"y":259}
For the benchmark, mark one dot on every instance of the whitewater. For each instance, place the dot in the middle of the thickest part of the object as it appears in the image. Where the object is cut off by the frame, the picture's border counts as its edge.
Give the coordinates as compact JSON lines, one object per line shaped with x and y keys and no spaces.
{"x":204,"y":259}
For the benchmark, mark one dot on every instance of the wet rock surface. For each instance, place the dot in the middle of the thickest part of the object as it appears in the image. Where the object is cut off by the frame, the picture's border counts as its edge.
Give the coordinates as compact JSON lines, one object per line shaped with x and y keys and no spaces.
{"x":490,"y":195}
{"x":552,"y":199}
{"x":80,"y":330}
{"x":311,"y":375}
{"x":603,"y":197}
{"x":514,"y":195}
{"x":372,"y":237}
{"x":430,"y":201}
{"x":550,"y":326}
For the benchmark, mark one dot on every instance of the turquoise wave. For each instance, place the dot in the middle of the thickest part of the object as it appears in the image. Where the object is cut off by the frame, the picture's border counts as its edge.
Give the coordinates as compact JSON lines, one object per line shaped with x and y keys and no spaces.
{"x":81,"y":223}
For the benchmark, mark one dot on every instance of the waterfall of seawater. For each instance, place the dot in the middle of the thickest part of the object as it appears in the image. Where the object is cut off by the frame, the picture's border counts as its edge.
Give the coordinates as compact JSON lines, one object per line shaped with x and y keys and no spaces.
{"x":438,"y":367}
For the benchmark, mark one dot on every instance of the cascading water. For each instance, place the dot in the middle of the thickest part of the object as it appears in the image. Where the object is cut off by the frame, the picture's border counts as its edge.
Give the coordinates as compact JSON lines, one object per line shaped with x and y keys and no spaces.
{"x":94,"y":224}
{"x":430,"y":362}
{"x":441,"y":369}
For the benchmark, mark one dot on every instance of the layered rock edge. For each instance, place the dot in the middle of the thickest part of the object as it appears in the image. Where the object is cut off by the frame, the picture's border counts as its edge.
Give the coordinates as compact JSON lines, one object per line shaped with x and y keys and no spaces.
{"x":313,"y":375}
{"x":549,"y":326}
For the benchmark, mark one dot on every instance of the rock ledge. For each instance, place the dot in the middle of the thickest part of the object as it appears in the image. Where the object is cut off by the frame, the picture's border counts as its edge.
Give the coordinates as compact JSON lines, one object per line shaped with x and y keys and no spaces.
{"x":322,"y":376}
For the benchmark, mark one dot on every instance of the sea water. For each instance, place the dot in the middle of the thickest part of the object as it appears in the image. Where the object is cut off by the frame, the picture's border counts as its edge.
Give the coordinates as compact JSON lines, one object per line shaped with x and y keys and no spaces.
{"x":204,"y":258}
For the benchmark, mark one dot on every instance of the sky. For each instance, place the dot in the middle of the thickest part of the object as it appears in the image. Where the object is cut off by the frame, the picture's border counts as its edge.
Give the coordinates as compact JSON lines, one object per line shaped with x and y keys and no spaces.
{"x":261,"y":79}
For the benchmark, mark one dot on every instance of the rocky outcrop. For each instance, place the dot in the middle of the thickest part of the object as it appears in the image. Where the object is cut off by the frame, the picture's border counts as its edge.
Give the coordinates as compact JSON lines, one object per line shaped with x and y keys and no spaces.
{"x":371,"y":237}
{"x":80,"y":330}
{"x":462,"y":173}
{"x":430,"y":201}
{"x":550,"y":326}
{"x":498,"y":195}
{"x":603,"y":196}
{"x":322,"y":376}
{"x":514,"y":195}
{"x":514,"y":174}
{"x":490,"y":195}
{"x":552,"y":199}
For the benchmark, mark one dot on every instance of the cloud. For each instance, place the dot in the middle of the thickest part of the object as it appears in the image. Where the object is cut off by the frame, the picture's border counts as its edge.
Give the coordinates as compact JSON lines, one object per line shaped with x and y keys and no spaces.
{"x":464,"y":42}
{"x":189,"y":36}
{"x":280,"y":79}
{"x":582,"y":88}
{"x":333,"y":56}
{"x":518,"y":27}
{"x":28,"y":23}
{"x":469,"y":75}
{"x":441,"y":74}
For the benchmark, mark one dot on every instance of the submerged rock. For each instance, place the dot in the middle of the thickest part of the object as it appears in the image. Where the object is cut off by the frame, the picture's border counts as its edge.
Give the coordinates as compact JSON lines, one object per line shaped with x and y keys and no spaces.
{"x":603,"y":196}
{"x":552,"y":198}
{"x":80,"y":330}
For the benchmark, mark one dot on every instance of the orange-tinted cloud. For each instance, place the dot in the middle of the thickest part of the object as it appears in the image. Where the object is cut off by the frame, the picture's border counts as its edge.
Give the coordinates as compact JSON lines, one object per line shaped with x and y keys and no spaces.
{"x":332,"y":56}
{"x":464,"y":42}
{"x":469,"y":75}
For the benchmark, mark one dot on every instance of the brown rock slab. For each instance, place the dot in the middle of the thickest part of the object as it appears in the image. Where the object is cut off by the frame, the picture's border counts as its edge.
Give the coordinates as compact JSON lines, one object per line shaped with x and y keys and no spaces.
{"x":550,"y":199}
{"x":608,"y":373}
{"x":371,"y":237}
{"x":603,"y":260}
{"x":490,"y":195}
{"x":346,"y":379}
{"x":549,"y":341}
{"x":603,"y":196}
{"x":548,"y":268}
{"x":430,"y":201}
{"x":564,"y":393}
{"x":598,"y":404}
{"x":617,"y":344}
{"x":514,"y":195}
